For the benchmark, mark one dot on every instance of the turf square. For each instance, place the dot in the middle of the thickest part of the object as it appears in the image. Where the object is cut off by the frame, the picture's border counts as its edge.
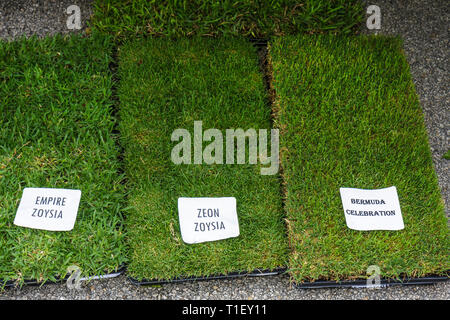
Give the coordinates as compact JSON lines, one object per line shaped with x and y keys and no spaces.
{"x":349,"y":117}
{"x":166,"y":85}
{"x":56,"y":129}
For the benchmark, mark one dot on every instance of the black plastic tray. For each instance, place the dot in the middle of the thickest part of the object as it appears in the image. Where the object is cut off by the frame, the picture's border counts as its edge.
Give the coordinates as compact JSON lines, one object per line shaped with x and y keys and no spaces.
{"x":362,"y":283}
{"x":31,"y":282}
{"x":232,"y":275}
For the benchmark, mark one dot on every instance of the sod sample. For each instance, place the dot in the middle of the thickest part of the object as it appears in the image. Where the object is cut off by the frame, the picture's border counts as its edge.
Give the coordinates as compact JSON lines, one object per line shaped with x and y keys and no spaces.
{"x":56,"y":132}
{"x":349,"y":117}
{"x":167,"y":85}
{"x":214,"y":17}
{"x":447,"y":155}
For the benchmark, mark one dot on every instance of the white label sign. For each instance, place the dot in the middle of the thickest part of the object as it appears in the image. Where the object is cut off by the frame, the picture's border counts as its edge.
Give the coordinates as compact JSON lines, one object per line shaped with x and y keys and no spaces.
{"x":207,"y":219}
{"x":372,"y":209}
{"x":48,"y":209}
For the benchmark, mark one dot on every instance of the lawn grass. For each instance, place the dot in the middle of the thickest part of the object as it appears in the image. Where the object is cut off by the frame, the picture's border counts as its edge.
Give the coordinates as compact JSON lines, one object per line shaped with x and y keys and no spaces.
{"x":213,"y":17}
{"x":349,"y":117}
{"x":56,"y":132}
{"x":165,"y":85}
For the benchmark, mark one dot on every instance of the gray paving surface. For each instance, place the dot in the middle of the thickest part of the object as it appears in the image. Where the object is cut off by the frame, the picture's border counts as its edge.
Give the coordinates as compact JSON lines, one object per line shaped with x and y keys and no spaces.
{"x":39,"y":17}
{"x":424,"y":26}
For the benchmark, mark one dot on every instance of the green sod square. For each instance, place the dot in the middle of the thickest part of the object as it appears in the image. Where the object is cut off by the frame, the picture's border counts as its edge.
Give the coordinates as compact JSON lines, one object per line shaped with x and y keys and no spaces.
{"x":56,"y":132}
{"x":167,"y":85}
{"x":349,"y":117}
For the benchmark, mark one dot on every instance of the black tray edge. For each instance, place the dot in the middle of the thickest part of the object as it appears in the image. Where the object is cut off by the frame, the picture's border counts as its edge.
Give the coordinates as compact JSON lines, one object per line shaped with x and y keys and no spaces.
{"x":232,"y":275}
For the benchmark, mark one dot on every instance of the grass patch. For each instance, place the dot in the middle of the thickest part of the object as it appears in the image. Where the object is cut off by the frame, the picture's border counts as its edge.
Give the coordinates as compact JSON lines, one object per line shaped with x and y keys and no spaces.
{"x":446,"y":155}
{"x":55,"y":132}
{"x":213,"y":17}
{"x":165,"y":85}
{"x":349,"y":117}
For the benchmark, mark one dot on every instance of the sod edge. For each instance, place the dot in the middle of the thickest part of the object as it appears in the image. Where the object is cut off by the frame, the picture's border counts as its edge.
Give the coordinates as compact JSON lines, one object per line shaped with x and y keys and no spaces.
{"x":374,"y":282}
{"x":166,"y":85}
{"x":231,"y":275}
{"x":219,"y":18}
{"x":58,"y":280}
{"x":55,"y":132}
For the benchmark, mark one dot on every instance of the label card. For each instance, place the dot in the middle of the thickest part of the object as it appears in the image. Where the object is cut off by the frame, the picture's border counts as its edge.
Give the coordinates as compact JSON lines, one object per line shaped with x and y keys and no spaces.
{"x":207,"y":219}
{"x":372,"y":209}
{"x":48,"y":209}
